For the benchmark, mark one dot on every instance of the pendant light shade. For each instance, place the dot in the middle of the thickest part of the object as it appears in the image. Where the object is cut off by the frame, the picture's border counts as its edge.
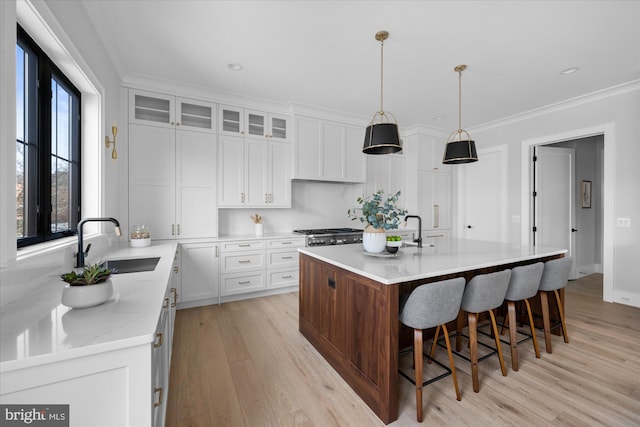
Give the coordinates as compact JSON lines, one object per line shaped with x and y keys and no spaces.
{"x":460,"y":148}
{"x":381,"y":136}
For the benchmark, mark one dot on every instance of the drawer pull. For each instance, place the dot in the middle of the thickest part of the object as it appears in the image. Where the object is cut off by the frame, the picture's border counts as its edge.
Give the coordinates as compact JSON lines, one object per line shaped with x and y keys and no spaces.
{"x":287,"y":277}
{"x":435,"y":235}
{"x":174,"y":291}
{"x":287,"y":257}
{"x":332,"y":283}
{"x":245,"y":282}
{"x":244,"y":261}
{"x":286,"y":243}
{"x":244,"y":245}
{"x":166,"y":303}
{"x":159,"y":392}
{"x":159,"y":339}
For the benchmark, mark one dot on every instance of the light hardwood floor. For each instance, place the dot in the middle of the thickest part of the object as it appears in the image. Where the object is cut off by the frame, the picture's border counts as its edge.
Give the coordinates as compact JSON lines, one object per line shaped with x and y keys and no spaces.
{"x":245,"y":364}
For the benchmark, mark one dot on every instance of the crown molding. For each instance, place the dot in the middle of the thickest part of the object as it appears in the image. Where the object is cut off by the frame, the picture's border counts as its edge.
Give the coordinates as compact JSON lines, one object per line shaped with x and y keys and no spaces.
{"x":560,"y":106}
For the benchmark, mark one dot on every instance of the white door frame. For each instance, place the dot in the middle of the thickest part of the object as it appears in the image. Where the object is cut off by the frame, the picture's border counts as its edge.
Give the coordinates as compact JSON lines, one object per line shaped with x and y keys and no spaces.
{"x":526,"y":182}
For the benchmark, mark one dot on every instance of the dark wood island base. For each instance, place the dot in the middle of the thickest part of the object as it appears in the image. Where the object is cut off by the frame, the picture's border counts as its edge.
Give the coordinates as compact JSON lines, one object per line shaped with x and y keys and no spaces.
{"x":353,"y":322}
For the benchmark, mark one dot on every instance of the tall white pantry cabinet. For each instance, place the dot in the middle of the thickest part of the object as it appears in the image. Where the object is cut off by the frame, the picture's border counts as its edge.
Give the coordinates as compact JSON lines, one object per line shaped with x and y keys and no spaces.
{"x":172,"y":165}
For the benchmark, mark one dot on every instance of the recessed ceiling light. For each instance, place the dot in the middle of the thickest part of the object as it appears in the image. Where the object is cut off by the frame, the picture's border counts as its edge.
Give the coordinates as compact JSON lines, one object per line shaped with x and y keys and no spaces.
{"x":438,"y":117}
{"x":569,"y":70}
{"x":235,"y":67}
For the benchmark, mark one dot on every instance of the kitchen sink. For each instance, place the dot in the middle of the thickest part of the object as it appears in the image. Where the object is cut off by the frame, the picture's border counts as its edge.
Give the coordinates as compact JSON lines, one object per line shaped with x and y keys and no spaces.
{"x":131,"y":265}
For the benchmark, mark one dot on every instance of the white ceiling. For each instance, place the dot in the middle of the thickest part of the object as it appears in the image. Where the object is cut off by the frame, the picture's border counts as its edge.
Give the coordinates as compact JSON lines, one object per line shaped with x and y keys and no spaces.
{"x":323,"y":53}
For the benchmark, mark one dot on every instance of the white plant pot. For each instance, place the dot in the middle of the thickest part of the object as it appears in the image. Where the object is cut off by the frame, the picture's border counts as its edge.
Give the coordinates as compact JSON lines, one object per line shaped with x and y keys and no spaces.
{"x":374,"y":240}
{"x":87,"y":295}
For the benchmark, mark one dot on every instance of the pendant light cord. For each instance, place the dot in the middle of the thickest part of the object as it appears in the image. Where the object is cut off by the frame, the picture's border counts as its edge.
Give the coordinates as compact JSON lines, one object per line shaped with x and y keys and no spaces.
{"x":460,"y":101}
{"x":381,"y":76}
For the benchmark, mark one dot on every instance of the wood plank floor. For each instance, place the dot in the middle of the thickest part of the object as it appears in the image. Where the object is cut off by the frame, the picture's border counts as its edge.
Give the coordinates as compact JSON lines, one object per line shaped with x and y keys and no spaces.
{"x":245,"y":364}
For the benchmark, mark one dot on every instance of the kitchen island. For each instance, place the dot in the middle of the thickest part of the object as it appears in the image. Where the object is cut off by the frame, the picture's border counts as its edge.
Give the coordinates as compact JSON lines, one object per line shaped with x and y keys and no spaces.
{"x":349,"y":303}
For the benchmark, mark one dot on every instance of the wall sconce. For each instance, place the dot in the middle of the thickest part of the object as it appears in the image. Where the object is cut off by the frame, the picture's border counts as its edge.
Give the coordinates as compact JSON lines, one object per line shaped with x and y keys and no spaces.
{"x":107,"y":142}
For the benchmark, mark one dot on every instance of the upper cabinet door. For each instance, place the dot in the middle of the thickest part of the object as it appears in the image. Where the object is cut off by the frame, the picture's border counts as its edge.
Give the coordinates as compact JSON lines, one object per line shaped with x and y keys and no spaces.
{"x":279,"y":127}
{"x":150,"y":108}
{"x":230,"y":120}
{"x":256,"y":124}
{"x":259,"y":124}
{"x":196,"y":115}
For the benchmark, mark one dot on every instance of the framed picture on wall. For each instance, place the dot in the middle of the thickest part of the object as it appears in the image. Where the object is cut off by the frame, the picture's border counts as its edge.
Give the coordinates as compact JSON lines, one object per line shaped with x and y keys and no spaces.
{"x":585,"y":194}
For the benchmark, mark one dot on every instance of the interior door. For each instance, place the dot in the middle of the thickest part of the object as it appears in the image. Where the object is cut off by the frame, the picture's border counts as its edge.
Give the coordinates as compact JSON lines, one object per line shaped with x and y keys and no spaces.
{"x":484,"y":196}
{"x":554,"y":200}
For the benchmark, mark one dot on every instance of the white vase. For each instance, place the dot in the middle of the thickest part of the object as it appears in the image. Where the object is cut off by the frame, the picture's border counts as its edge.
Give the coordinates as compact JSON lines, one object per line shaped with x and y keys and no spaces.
{"x":87,"y":295}
{"x":374,"y":240}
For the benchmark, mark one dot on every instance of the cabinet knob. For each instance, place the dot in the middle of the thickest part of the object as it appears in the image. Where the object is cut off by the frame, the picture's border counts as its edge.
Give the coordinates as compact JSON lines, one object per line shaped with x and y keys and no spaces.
{"x":175,"y":269}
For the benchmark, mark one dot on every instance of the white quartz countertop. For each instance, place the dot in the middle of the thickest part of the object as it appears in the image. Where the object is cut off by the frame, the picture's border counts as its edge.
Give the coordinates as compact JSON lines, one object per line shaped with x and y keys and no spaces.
{"x":38,"y":329}
{"x":447,"y":256}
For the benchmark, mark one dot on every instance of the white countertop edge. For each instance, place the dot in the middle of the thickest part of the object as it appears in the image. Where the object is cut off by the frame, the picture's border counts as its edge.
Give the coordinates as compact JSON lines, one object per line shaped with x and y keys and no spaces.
{"x":70,"y":354}
{"x":419,"y":276}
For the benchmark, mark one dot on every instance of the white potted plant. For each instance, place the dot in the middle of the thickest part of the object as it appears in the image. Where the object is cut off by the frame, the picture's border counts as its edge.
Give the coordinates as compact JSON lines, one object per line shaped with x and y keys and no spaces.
{"x":91,"y":287}
{"x":379,"y":214}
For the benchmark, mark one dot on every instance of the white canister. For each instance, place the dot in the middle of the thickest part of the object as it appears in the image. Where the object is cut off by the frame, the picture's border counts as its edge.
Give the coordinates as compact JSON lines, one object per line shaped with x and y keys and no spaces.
{"x":258,"y":229}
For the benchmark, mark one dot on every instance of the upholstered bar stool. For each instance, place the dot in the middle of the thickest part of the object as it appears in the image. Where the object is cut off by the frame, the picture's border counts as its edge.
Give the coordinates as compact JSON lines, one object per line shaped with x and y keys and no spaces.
{"x":524,"y":284}
{"x":428,"y":306}
{"x":554,"y":277}
{"x":483,"y":293}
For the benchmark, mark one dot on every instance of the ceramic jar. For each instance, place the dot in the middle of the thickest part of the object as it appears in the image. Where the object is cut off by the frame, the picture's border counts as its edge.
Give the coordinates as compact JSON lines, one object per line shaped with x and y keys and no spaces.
{"x":374,"y":240}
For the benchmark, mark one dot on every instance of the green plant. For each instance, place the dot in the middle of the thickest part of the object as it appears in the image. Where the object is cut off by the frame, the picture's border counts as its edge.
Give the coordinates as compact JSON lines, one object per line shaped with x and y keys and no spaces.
{"x":90,"y":275}
{"x":377,"y":211}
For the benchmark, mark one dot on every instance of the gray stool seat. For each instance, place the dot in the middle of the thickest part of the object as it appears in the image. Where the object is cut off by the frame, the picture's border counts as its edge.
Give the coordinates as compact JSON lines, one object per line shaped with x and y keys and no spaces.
{"x":554,"y":277}
{"x":523,"y":284}
{"x":484,"y":293}
{"x":431,"y":305}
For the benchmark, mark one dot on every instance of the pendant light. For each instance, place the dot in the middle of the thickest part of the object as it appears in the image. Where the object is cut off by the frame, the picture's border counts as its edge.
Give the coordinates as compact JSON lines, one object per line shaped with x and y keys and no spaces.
{"x":381,"y":136}
{"x":459,"y":150}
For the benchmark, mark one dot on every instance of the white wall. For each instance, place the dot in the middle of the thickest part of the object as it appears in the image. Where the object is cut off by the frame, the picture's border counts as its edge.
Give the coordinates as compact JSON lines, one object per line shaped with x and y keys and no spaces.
{"x":621,"y":107}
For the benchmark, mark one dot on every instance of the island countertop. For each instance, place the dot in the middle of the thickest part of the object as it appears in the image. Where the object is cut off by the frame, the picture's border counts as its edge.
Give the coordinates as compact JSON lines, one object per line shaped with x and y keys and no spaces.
{"x":446,"y":256}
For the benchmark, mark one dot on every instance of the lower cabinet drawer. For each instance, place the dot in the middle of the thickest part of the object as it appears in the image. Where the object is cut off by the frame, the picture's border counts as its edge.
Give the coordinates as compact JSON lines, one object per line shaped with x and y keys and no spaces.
{"x":283,"y":279}
{"x":241,"y":283}
{"x":283,"y":258}
{"x":238,"y":261}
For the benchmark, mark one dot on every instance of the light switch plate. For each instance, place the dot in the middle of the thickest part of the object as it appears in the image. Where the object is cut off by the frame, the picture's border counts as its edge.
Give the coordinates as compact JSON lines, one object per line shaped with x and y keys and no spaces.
{"x":515,"y":219}
{"x":623,"y":222}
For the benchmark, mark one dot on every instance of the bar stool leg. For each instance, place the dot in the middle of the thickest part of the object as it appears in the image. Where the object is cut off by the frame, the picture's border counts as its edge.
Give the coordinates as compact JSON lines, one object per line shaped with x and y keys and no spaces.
{"x":453,"y":366}
{"x":417,"y":360}
{"x":533,"y":329}
{"x":561,"y":311}
{"x":460,"y":325}
{"x":513,"y":338}
{"x":546,"y":322}
{"x":473,"y":349}
{"x":435,"y":342}
{"x":498,"y":346}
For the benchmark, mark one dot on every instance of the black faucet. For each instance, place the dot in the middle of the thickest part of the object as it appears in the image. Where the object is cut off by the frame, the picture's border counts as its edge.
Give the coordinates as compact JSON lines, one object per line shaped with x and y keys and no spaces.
{"x":81,"y":251}
{"x":419,"y":239}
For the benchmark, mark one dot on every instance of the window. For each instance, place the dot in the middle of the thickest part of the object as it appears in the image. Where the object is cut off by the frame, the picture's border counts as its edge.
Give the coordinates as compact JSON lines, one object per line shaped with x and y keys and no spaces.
{"x":47,"y":147}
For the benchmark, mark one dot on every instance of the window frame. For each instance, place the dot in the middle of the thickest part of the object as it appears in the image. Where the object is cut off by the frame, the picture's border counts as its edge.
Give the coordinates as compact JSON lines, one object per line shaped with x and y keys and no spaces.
{"x":40,"y":158}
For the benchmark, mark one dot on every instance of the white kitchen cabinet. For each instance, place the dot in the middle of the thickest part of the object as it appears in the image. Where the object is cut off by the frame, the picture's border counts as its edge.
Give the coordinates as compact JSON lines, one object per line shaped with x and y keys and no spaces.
{"x":329,"y":151}
{"x":434,"y":196}
{"x":283,"y":268}
{"x":386,"y":173}
{"x":242,"y":267}
{"x":200,"y":272}
{"x":254,"y":173}
{"x":238,"y":121}
{"x":161,"y":362}
{"x":155,"y":109}
{"x":172,"y":182}
{"x":430,"y":154}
